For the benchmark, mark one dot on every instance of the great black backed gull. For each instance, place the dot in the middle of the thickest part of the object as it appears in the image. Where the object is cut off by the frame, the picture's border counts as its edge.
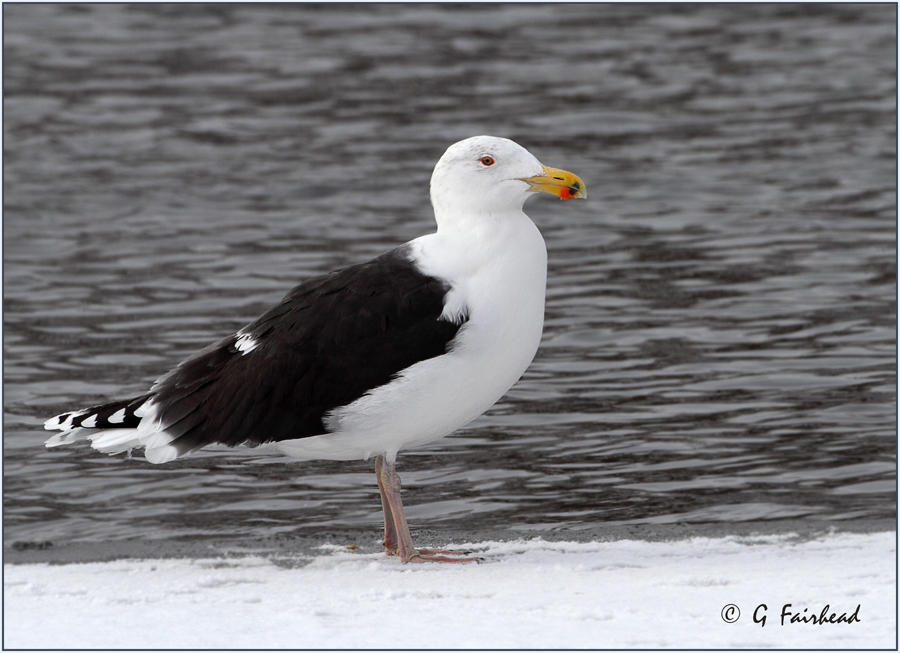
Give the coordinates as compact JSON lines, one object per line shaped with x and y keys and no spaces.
{"x":374,"y":358}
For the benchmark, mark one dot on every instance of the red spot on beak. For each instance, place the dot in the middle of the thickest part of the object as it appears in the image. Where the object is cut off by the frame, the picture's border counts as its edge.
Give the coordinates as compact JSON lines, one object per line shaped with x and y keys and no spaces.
{"x":566,"y":193}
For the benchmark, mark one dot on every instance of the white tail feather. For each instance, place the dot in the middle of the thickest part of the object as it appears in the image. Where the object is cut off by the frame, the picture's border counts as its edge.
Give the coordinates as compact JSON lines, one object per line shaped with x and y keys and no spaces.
{"x":114,"y":440}
{"x":163,"y":454}
{"x":67,"y":437}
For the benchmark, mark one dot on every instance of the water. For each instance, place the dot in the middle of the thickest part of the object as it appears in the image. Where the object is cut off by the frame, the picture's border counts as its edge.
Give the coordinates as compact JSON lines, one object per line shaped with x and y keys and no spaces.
{"x":720,"y":335}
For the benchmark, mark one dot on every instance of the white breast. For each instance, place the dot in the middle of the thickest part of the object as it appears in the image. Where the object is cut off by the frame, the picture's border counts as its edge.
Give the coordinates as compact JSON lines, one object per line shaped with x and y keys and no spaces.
{"x":498,"y":276}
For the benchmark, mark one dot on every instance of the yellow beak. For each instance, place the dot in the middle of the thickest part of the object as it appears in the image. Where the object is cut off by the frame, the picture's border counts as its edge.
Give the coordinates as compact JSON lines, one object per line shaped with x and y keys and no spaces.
{"x":562,"y":183}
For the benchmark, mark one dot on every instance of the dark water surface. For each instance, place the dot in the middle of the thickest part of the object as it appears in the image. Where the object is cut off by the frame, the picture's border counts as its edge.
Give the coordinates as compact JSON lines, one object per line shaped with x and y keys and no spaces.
{"x":720,"y":336}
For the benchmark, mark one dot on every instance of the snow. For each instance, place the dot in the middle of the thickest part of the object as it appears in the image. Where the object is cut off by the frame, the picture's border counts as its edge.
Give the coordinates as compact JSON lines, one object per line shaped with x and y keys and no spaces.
{"x":526,"y":594}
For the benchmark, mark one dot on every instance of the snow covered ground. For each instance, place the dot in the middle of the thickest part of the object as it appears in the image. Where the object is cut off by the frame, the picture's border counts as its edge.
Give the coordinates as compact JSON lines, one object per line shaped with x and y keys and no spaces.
{"x":526,"y":594}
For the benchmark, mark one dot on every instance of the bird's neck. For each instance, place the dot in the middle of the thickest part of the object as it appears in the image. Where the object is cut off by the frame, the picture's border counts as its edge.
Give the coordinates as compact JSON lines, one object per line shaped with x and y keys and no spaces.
{"x":460,"y":222}
{"x":464,"y":245}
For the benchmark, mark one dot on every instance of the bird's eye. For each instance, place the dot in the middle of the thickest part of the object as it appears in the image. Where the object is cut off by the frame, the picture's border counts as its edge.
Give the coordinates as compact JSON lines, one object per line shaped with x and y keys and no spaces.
{"x":487,"y":160}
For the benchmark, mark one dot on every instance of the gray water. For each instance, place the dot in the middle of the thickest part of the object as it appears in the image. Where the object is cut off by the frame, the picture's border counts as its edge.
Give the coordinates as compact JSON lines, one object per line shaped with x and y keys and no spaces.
{"x":720,"y":337}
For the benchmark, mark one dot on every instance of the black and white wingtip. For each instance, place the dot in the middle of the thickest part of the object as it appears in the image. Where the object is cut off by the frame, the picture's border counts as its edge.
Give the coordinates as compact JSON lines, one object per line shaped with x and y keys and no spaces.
{"x":118,"y":414}
{"x":115,"y":428}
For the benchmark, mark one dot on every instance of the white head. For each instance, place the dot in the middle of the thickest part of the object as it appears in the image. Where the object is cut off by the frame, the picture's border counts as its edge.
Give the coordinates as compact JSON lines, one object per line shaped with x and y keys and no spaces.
{"x":488,"y":175}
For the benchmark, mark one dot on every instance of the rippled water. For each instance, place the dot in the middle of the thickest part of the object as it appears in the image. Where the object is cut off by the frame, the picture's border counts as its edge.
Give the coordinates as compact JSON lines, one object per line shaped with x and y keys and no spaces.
{"x":720,"y":336}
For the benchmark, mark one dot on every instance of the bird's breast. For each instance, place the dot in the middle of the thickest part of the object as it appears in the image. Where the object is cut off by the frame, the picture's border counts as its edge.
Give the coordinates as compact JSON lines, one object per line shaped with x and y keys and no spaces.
{"x":499,"y":281}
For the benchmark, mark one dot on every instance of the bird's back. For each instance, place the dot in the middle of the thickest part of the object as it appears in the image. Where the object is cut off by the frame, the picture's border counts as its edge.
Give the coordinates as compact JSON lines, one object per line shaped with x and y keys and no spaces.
{"x":328,"y":342}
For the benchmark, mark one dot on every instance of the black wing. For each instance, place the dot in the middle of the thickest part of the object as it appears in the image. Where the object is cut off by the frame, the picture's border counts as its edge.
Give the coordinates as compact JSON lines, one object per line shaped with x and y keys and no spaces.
{"x":328,"y":342}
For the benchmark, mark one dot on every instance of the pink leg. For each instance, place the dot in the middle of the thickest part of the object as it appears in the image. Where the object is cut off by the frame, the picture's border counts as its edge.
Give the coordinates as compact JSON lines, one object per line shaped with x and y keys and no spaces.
{"x":398,"y":536}
{"x":390,"y":531}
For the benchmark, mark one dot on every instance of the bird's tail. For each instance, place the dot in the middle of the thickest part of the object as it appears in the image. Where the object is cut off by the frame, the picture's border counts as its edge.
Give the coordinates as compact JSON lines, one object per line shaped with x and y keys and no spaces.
{"x":110,"y":427}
